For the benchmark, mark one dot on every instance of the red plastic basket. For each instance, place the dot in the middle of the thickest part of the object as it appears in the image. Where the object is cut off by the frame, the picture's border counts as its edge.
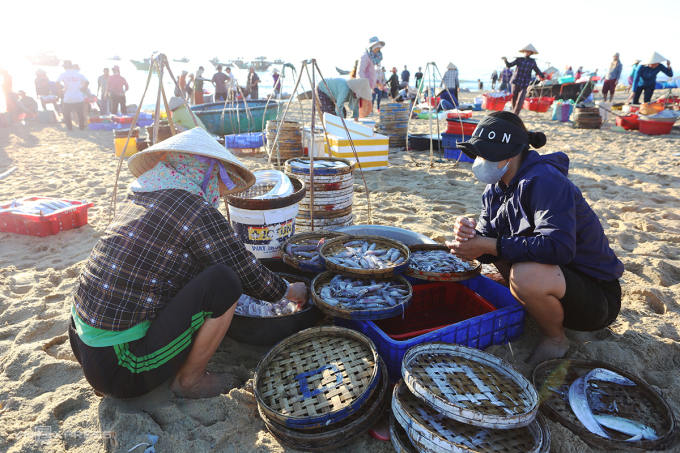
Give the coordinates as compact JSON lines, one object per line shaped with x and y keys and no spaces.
{"x":630,"y":122}
{"x":540,"y":105}
{"x":44,"y":225}
{"x":435,"y":305}
{"x":458,"y":127}
{"x":494,"y":103}
{"x":463,"y":115}
{"x":656,"y":127}
{"x":123,"y":119}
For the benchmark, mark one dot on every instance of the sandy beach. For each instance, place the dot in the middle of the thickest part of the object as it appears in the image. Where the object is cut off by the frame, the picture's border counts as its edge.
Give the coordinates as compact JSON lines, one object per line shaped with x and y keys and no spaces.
{"x":632,"y":181}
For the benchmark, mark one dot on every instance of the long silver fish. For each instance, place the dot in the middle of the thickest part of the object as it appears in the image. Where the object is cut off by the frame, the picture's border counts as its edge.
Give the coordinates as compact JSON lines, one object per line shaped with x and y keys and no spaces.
{"x":625,"y":426}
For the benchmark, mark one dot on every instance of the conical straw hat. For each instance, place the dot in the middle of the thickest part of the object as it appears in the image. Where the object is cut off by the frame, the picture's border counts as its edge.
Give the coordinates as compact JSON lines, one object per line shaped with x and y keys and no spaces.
{"x":361,"y":88}
{"x":193,"y":141}
{"x":451,"y":66}
{"x":656,"y":58}
{"x":530,"y":48}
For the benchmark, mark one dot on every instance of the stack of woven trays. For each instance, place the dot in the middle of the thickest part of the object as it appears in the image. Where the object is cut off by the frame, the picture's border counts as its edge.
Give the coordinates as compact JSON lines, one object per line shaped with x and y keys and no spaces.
{"x":587,"y":118}
{"x":454,"y":398}
{"x":393,"y":123}
{"x":289,"y":144}
{"x":333,"y":193}
{"x":321,"y":388}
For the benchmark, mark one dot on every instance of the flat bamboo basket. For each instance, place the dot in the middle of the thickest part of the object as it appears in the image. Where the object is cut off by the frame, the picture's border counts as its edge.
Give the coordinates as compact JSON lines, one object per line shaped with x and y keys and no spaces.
{"x":316,"y":377}
{"x":325,"y":214}
{"x":469,"y":386}
{"x":432,"y":432}
{"x":292,"y":166}
{"x":323,"y":222}
{"x":300,"y":262}
{"x":363,"y":315}
{"x":335,"y":246}
{"x":340,"y":433}
{"x":399,"y":438}
{"x":435,"y":277}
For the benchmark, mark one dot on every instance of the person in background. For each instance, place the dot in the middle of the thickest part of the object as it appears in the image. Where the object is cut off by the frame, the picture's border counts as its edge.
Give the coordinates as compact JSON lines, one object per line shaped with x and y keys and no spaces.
{"x":253,"y":83}
{"x":102,"y":89}
{"x":393,"y":83}
{"x":198,"y":86}
{"x":190,"y":88}
{"x":55,"y":96}
{"x":449,"y":97}
{"x":579,"y":73}
{"x":405,"y":77}
{"x":181,"y":90}
{"x":342,"y":90}
{"x":371,"y":57}
{"x":494,"y":79}
{"x":42,"y":84}
{"x":419,"y":77}
{"x":506,"y":76}
{"x":219,"y":80}
{"x":480,"y":84}
{"x":379,"y":87}
{"x":645,"y":77}
{"x":611,"y":78}
{"x":630,"y":76}
{"x":277,"y":83}
{"x":117,"y":87}
{"x":29,"y":103}
{"x":522,"y":77}
{"x":568,"y":72}
{"x":181,"y":115}
{"x":537,"y":228}
{"x":74,"y":101}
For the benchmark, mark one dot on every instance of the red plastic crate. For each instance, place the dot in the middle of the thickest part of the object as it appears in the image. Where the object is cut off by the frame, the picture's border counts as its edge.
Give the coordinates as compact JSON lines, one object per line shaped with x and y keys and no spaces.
{"x":45,"y":225}
{"x":123,"y":119}
{"x":630,"y":122}
{"x":433,"y":306}
{"x":455,"y":126}
{"x":540,"y":105}
{"x":656,"y":127}
{"x":463,"y":115}
{"x":494,"y":103}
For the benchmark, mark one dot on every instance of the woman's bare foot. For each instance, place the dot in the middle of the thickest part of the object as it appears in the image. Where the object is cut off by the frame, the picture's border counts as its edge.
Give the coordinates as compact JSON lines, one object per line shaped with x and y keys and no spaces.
{"x":210,"y":385}
{"x":549,"y":348}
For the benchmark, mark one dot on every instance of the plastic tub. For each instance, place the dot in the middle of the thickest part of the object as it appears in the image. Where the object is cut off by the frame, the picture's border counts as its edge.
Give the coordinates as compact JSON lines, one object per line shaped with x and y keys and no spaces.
{"x":44,"y":225}
{"x":407,"y":237}
{"x":493,"y":103}
{"x":244,"y":141}
{"x":656,"y":127}
{"x":629,"y":122}
{"x":120,"y":144}
{"x":566,"y":79}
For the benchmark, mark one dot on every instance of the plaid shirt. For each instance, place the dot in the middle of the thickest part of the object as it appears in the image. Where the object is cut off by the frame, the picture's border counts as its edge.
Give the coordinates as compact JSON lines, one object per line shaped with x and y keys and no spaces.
{"x":450,"y":79}
{"x":158,"y":242}
{"x":522,"y":76}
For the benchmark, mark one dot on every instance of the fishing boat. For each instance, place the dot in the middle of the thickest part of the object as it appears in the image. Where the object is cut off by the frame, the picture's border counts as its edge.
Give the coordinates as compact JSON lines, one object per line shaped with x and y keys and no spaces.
{"x":44,"y":59}
{"x":563,"y":91}
{"x":235,"y":118}
{"x":278,"y":61}
{"x":260,"y":64}
{"x":114,"y":58}
{"x":183,"y":60}
{"x":143,"y":65}
{"x":239,"y":63}
{"x":341,"y":71}
{"x":216,"y":62}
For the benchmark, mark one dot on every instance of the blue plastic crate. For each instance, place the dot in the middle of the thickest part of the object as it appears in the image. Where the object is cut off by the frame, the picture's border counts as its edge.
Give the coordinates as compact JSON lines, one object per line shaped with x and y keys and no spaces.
{"x":144,"y":122}
{"x":454,"y":153}
{"x":504,"y":325}
{"x":450,"y":140}
{"x":244,"y":141}
{"x":104,"y":126}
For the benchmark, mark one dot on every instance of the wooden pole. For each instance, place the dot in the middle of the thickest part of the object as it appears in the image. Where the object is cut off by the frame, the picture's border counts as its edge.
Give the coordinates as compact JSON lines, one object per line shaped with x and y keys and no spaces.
{"x":311,"y":146}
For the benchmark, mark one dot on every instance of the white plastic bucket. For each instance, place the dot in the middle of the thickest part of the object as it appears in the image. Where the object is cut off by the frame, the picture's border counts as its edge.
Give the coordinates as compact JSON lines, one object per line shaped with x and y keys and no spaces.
{"x":263,"y":232}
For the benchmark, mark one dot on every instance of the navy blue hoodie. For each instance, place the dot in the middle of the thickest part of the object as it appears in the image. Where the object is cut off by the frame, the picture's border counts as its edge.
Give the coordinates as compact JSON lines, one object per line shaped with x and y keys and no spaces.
{"x":542,"y":216}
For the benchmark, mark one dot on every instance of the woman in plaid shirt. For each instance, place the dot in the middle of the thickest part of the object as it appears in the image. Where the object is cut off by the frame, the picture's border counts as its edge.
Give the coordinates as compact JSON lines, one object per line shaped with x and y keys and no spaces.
{"x":159,"y":290}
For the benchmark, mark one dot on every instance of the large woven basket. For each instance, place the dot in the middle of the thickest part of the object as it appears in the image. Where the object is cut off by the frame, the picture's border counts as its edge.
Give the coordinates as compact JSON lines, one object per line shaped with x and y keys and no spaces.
{"x":469,"y":386}
{"x":300,"y":262}
{"x":334,"y":246}
{"x":431,"y":431}
{"x":342,"y":432}
{"x":443,"y":277}
{"x":316,"y":377}
{"x":360,"y":315}
{"x":399,"y":438}
{"x":293,"y":166}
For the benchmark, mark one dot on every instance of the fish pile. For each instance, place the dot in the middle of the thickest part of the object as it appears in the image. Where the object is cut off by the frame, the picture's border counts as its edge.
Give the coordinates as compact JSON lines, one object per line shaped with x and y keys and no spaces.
{"x":37,"y":207}
{"x":247,"y":305}
{"x":439,"y":262}
{"x":307,"y":249}
{"x":362,"y":255}
{"x":578,"y":397}
{"x":363,"y":294}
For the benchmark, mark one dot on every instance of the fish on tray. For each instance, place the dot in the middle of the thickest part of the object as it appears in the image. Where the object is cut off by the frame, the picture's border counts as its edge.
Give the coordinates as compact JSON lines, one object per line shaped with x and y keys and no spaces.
{"x":439,"y":262}
{"x":365,"y":255}
{"x":363,"y":294}
{"x":247,"y":305}
{"x":307,"y":250}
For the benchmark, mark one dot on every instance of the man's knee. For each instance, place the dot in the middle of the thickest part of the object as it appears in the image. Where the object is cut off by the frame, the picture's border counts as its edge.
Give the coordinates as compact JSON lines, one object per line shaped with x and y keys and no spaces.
{"x":224,"y":279}
{"x":530,"y":278}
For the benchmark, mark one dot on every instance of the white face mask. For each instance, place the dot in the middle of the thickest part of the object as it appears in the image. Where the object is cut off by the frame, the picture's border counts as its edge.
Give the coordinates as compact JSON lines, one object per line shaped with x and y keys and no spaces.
{"x":488,"y":172}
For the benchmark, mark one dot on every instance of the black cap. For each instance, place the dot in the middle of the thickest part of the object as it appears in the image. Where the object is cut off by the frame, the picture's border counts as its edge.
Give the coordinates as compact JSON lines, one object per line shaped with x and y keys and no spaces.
{"x":495,"y":140}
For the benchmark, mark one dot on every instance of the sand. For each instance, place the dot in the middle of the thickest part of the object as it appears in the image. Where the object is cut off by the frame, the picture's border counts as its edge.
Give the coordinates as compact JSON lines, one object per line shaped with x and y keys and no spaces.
{"x":632,"y":181}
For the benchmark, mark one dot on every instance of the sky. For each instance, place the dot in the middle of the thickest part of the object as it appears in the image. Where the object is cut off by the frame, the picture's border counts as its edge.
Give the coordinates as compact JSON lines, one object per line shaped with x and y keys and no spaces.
{"x":474,"y":35}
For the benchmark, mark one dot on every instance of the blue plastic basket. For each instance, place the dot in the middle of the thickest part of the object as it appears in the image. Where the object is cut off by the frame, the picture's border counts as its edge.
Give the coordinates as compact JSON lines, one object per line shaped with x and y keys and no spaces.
{"x":144,"y":122}
{"x":450,"y":140}
{"x":244,"y":141}
{"x":504,"y":325}
{"x":104,"y":126}
{"x":454,"y":153}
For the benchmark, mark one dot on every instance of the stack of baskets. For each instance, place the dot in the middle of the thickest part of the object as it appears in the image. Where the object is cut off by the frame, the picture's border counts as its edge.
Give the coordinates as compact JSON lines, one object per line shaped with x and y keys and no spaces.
{"x":394,"y":122}
{"x":289,"y":144}
{"x":454,"y":398}
{"x":333,"y":193}
{"x":587,"y":118}
{"x":321,"y":388}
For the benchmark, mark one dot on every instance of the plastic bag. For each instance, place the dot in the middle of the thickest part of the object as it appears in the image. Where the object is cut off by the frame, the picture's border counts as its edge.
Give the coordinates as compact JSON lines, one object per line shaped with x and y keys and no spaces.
{"x":283,"y":187}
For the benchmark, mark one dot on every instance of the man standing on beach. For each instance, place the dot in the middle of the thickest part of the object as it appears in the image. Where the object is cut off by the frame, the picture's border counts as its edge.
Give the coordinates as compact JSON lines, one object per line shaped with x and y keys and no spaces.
{"x":116,"y":89}
{"x":506,"y":75}
{"x":612,"y":78}
{"x":230,"y":83}
{"x":102,"y":87}
{"x":522,"y":77}
{"x":419,"y":77}
{"x":405,"y":76}
{"x":74,"y":82}
{"x":393,"y":82}
{"x":219,"y":80}
{"x":253,"y":80}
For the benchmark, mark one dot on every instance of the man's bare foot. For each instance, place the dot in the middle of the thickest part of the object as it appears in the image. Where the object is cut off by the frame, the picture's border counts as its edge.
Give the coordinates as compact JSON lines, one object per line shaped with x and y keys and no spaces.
{"x":211,"y":385}
{"x":549,"y":348}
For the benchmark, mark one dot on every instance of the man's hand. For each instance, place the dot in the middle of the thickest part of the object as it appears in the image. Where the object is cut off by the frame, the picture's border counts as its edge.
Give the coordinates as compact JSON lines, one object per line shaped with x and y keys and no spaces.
{"x":465,"y":229}
{"x":298,"y":292}
{"x":473,"y":248}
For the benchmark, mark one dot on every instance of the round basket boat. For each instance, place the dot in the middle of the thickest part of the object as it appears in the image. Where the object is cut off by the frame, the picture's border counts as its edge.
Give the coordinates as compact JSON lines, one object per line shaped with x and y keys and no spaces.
{"x":431,"y":431}
{"x":399,"y":438}
{"x":300,"y":262}
{"x":360,"y":315}
{"x":261,"y":330}
{"x":337,"y":245}
{"x":469,"y":386}
{"x":245,"y":200}
{"x":316,"y":377}
{"x":340,"y":433}
{"x":640,"y":403}
{"x":436,"y":277}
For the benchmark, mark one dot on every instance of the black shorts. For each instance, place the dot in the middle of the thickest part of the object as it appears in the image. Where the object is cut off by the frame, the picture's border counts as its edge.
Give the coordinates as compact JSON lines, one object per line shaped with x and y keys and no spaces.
{"x":589,"y":303}
{"x":133,"y":369}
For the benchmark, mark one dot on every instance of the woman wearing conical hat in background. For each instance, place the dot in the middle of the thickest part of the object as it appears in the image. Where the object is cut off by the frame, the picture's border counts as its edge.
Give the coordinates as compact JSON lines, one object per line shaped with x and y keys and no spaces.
{"x":159,"y":290}
{"x":371,"y":57}
{"x":644,"y":78}
{"x":522,"y":77}
{"x":449,"y":97}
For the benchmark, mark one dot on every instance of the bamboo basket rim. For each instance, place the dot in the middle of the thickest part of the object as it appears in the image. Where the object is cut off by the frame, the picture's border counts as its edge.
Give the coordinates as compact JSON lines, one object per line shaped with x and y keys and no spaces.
{"x":295,"y":262}
{"x":443,"y":277}
{"x":321,"y":171}
{"x":367,"y":273}
{"x":399,"y":438}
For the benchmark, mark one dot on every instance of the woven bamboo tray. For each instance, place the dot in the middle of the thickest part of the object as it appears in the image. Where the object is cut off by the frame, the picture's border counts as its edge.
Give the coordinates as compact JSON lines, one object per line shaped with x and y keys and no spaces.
{"x":320,"y":170}
{"x":328,"y":221}
{"x":299,"y":262}
{"x":468,"y":385}
{"x":335,"y":246}
{"x":445,"y":277}
{"x":399,"y":438}
{"x":316,"y":377}
{"x":362,"y":315}
{"x":342,"y":432}
{"x":318,"y":214}
{"x":430,"y":431}
{"x":639,"y":403}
